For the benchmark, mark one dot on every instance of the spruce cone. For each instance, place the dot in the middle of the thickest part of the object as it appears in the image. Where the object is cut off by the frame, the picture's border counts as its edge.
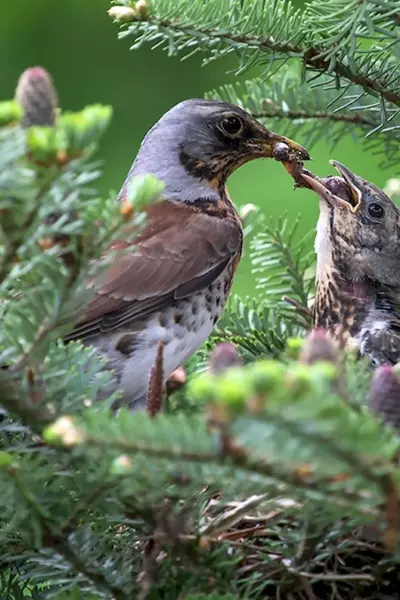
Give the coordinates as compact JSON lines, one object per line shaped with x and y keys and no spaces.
{"x":385,"y":395}
{"x":223,"y":357}
{"x":37,"y":95}
{"x":318,"y":347}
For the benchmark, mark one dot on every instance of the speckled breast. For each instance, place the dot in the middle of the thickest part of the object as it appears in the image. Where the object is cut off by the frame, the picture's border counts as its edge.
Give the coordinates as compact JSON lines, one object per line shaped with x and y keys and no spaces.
{"x":338,"y":309}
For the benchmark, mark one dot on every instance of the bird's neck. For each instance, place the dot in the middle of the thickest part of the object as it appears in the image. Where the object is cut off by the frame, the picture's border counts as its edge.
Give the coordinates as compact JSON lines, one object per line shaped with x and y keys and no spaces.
{"x":178,"y":185}
{"x":204,"y":195}
{"x":185,"y":179}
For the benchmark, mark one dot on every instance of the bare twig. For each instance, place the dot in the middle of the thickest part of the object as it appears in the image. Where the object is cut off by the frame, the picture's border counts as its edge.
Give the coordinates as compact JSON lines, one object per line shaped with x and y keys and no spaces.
{"x":291,"y":115}
{"x":333,"y":576}
{"x":229,"y":518}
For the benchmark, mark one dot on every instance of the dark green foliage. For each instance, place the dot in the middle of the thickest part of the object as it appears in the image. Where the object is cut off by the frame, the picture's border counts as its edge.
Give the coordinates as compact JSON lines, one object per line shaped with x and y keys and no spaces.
{"x":349,"y":42}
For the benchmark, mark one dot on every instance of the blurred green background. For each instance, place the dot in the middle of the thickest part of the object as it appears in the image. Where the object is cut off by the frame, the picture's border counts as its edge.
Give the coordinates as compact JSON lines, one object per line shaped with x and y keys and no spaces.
{"x":77,"y":42}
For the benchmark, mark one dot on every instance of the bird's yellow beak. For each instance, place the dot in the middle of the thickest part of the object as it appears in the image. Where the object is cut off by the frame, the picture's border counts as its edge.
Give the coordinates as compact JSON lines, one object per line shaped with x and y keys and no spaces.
{"x":329,"y":196}
{"x":300,"y":151}
{"x":273,"y":145}
{"x":267,"y":144}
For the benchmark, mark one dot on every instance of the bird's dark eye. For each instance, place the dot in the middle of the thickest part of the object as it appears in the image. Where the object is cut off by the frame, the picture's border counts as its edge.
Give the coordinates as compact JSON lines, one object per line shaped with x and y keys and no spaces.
{"x":231,"y":125}
{"x":375,"y":210}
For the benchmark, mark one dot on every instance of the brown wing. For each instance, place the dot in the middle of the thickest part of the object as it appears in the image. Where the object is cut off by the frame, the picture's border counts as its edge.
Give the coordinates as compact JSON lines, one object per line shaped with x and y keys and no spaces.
{"x":180,"y":252}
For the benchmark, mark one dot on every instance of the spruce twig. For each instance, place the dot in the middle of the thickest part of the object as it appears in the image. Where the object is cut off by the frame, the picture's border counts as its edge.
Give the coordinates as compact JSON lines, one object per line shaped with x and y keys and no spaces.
{"x":355,"y":118}
{"x":312,"y":55}
{"x":243,"y":460}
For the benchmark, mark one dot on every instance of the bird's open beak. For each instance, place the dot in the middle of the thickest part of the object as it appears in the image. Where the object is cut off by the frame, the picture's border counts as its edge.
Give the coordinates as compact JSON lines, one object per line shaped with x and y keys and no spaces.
{"x":350,"y":179}
{"x":324,"y":192}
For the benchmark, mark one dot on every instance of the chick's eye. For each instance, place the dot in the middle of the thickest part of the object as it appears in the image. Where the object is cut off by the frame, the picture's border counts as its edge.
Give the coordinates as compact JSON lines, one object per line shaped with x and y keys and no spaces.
{"x":231,"y":125}
{"x":375,"y":211}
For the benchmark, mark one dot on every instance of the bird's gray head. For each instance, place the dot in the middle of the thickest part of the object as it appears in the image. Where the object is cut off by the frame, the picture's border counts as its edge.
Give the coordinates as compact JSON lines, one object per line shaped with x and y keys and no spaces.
{"x":197,"y":144}
{"x":358,"y":228}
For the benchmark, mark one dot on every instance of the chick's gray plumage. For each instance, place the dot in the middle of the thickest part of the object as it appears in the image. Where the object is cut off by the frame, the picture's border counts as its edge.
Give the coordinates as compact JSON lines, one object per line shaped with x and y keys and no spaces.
{"x":358,"y":265}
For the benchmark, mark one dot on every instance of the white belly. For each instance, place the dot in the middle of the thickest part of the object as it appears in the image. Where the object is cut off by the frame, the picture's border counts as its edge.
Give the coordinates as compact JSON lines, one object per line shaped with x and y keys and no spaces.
{"x":136,"y":373}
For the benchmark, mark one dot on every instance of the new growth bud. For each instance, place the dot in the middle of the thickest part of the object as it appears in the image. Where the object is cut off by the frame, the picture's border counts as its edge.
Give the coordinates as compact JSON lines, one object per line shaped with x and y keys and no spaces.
{"x":127,"y":14}
{"x":392,"y":187}
{"x":246,"y":211}
{"x":121,"y":465}
{"x":63,"y":432}
{"x":141,"y":8}
{"x":123,"y":14}
{"x":37,"y":96}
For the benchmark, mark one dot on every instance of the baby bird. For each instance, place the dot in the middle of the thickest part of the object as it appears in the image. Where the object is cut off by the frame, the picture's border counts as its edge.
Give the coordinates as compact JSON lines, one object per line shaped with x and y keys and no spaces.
{"x":358,"y":265}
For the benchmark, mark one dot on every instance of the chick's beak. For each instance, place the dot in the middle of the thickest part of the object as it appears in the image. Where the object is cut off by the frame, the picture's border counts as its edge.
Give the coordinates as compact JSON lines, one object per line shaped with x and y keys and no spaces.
{"x":323,"y":191}
{"x":351,"y":181}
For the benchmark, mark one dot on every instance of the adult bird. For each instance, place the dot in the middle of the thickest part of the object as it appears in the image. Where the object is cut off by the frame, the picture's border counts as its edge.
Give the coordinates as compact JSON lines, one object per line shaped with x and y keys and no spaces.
{"x":173,"y":285}
{"x":358,"y":265}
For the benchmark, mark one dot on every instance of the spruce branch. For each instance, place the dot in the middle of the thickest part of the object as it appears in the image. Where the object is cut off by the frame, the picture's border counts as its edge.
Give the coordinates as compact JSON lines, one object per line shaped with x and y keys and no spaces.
{"x":18,"y":235}
{"x":343,"y":24}
{"x":54,"y":538}
{"x":18,"y":402}
{"x":261,"y":32}
{"x":294,"y":115}
{"x":285,"y":480}
{"x":186,"y":441}
{"x":281,"y":263}
{"x":256,"y":327}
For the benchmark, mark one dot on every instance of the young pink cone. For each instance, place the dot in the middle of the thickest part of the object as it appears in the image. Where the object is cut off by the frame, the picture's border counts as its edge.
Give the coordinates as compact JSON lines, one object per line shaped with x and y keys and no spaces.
{"x":37,"y":96}
{"x":223,"y":357}
{"x":385,"y":395}
{"x":318,"y":347}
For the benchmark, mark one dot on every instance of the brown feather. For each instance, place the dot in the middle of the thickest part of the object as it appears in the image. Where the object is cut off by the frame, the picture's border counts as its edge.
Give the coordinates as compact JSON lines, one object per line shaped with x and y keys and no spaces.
{"x":180,"y":252}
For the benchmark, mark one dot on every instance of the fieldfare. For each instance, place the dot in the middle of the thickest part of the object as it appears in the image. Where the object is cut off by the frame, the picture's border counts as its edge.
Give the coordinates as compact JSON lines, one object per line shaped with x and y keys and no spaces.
{"x":358,"y":264}
{"x":172,"y":287}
